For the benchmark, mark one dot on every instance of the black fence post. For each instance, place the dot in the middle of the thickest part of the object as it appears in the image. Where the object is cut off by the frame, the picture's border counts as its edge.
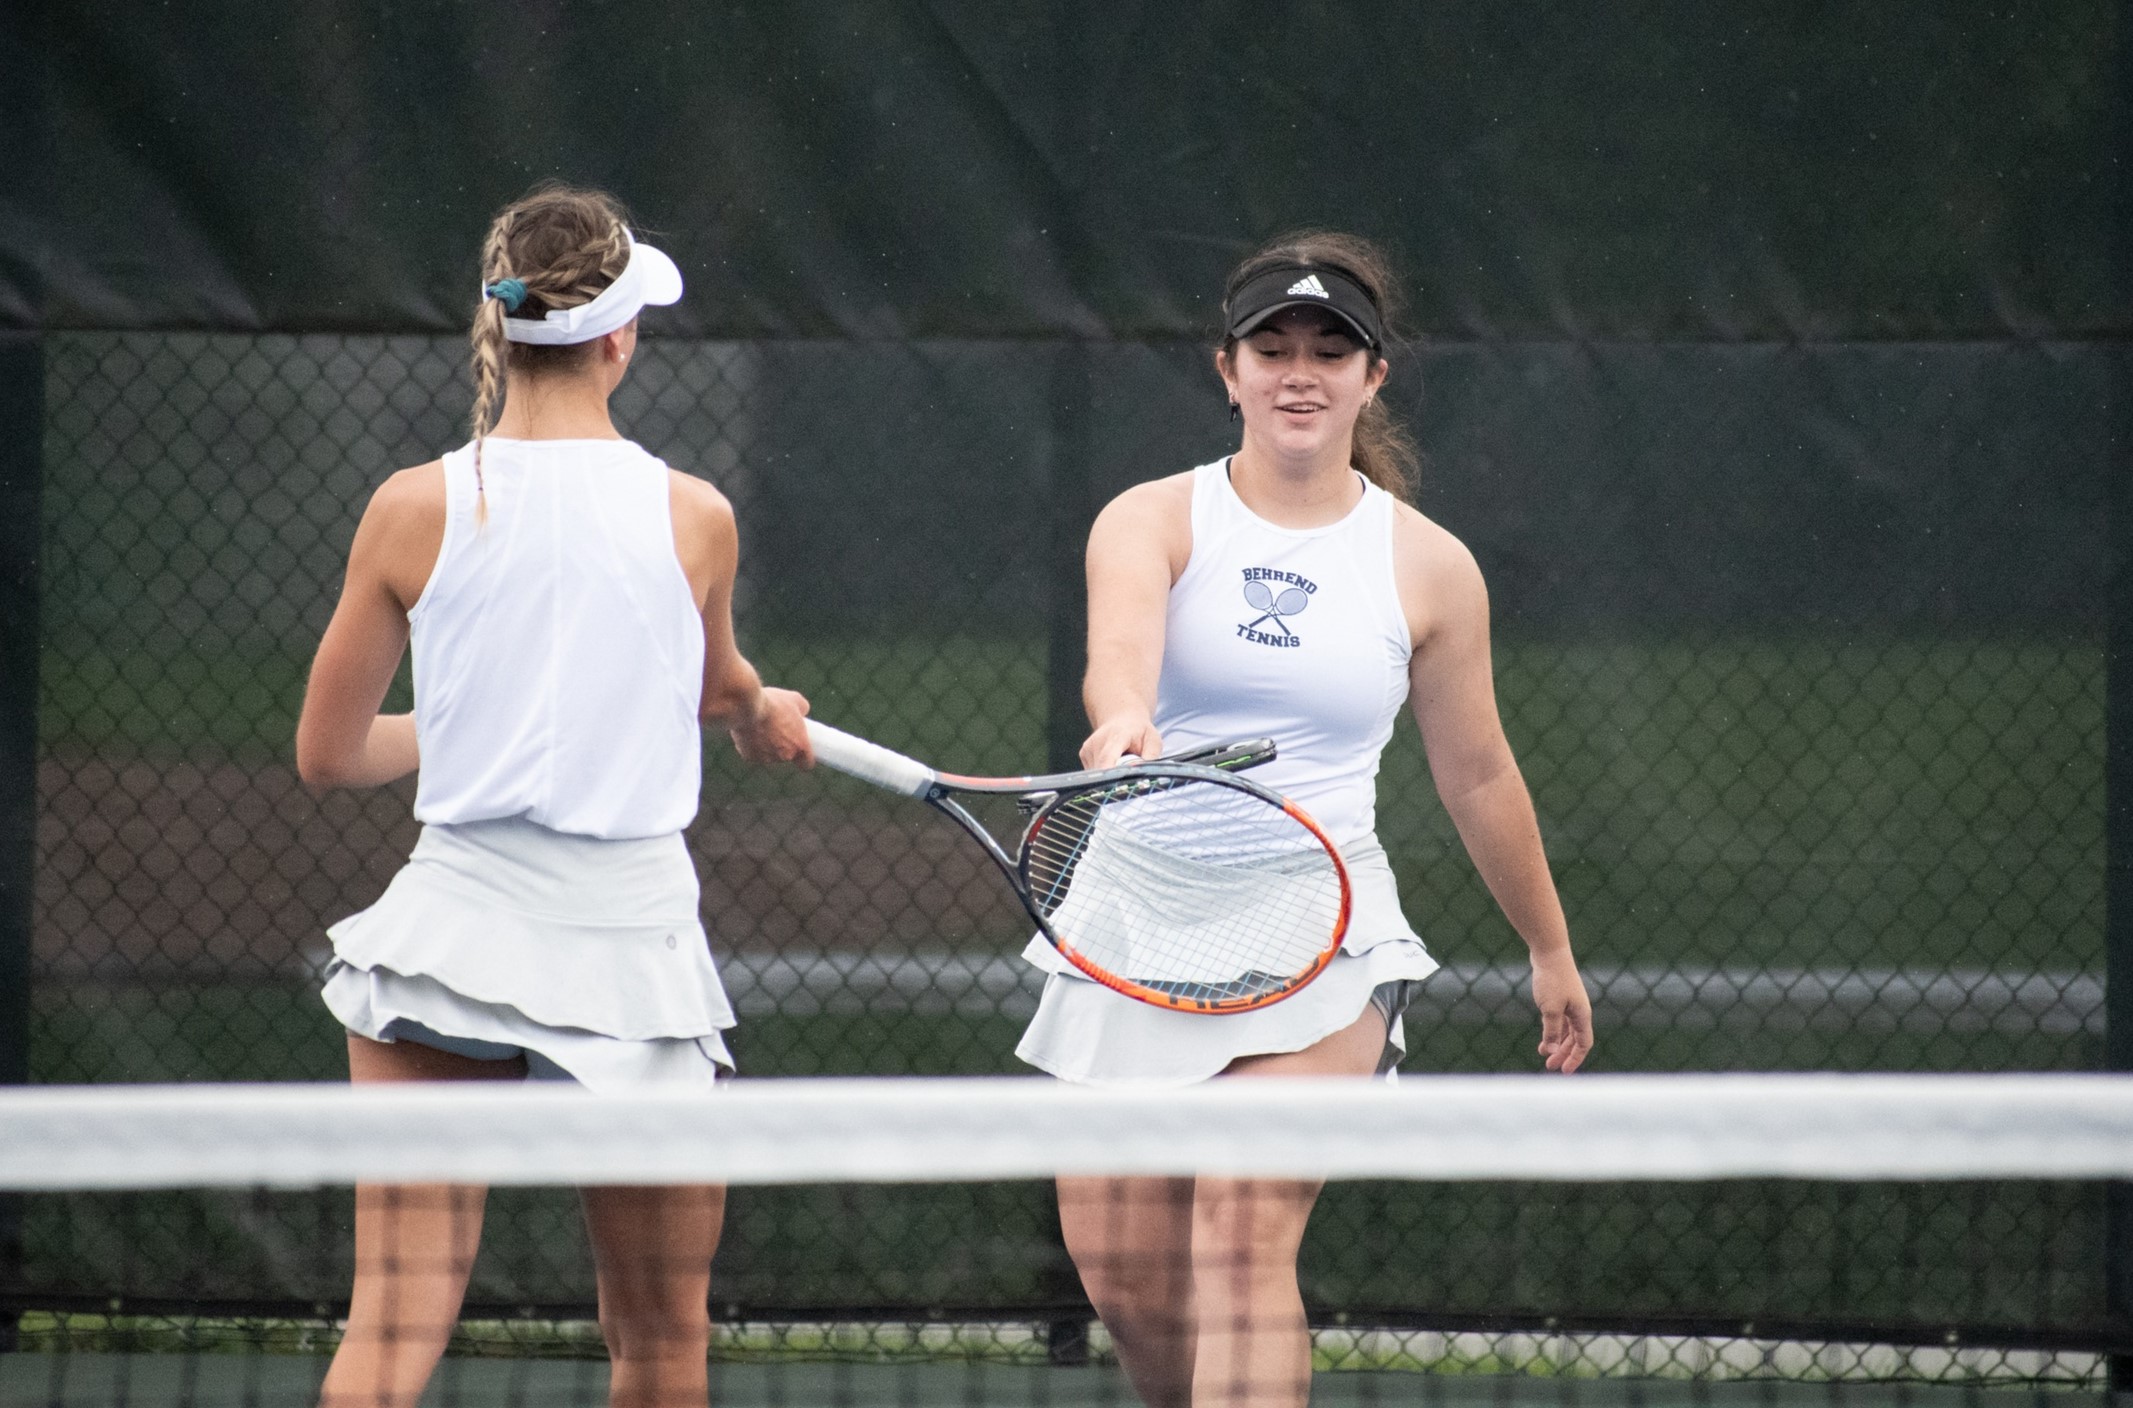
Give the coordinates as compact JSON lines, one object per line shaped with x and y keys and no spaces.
{"x":1072,"y":386}
{"x":2118,"y":733}
{"x":1067,"y":1335}
{"x":2118,"y":882}
{"x":2118,"y":910}
{"x":21,"y":523}
{"x":25,"y":112}
{"x":1071,"y":512}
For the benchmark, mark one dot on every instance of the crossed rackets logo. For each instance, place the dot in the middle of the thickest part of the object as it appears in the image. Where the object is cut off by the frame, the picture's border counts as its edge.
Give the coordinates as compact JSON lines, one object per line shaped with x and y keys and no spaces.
{"x":1275,"y":595}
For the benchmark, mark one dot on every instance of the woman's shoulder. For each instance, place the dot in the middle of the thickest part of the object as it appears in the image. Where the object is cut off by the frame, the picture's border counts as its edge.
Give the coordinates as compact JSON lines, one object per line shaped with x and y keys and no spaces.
{"x":1169,"y":495}
{"x":1159,"y":509}
{"x":411,"y":498}
{"x":1429,"y":562}
{"x":696,"y":498}
{"x":402,"y":532}
{"x":1150,"y":521}
{"x":706,"y":538}
{"x":1422,"y":541}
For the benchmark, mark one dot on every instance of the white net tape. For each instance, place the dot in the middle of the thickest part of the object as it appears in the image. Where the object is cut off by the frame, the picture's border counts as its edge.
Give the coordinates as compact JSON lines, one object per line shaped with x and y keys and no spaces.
{"x":806,"y":1131}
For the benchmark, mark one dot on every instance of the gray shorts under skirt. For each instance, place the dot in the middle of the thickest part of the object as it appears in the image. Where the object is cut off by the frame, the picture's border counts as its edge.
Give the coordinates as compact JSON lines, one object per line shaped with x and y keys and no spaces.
{"x":1390,"y":1000}
{"x":538,"y":1066}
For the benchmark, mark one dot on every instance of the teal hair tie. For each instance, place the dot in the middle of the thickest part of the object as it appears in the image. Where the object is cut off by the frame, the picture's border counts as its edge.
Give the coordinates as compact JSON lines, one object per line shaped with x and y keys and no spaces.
{"x":510,"y":292}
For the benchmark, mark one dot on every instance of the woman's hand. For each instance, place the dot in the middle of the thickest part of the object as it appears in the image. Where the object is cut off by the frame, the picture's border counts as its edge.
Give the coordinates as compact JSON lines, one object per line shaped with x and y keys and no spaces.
{"x":1566,"y":1011}
{"x":776,"y":731}
{"x":1133,"y":734}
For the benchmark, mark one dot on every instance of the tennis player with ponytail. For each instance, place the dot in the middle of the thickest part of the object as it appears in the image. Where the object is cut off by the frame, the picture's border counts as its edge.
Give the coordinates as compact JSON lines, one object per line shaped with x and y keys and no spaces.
{"x":567,"y":599}
{"x":1285,"y":591}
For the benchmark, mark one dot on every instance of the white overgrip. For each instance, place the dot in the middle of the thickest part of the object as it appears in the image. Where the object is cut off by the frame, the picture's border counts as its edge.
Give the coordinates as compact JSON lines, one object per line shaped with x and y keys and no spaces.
{"x":869,"y":762}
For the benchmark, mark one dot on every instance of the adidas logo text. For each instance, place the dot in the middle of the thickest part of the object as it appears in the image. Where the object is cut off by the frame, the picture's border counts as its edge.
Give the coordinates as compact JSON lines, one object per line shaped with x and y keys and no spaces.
{"x":1309,"y":286}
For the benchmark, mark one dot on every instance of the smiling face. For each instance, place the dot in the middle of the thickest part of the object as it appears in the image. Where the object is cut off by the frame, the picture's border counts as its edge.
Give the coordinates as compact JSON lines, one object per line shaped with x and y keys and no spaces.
{"x":1301,"y":379}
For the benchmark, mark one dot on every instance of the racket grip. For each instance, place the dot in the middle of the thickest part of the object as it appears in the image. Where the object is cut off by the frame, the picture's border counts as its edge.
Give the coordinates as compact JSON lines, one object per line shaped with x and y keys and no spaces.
{"x":869,"y":762}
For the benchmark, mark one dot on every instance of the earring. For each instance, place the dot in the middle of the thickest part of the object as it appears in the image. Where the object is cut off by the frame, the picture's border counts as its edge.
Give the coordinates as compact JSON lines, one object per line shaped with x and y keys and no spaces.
{"x":1233,"y":410}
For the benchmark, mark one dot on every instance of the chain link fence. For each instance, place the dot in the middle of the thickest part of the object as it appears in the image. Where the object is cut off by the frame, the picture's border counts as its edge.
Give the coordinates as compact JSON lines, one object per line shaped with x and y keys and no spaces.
{"x":1801,"y":651}
{"x":78,"y":1359}
{"x":527,"y":1359}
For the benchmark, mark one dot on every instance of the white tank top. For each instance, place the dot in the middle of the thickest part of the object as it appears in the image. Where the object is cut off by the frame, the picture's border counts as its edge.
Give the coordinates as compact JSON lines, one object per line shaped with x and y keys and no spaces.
{"x":559,"y":654}
{"x":1294,"y":634}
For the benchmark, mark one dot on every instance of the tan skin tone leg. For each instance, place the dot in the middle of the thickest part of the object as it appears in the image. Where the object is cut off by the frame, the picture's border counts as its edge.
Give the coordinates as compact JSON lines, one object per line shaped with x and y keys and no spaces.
{"x":652,"y":1251}
{"x":1131,"y":1241}
{"x":415,"y":1246}
{"x":1232,"y":1333}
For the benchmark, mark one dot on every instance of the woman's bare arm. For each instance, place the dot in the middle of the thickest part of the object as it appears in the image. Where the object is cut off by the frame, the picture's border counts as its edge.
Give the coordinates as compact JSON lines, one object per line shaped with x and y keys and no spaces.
{"x":1137,"y":547}
{"x":1452,"y":690}
{"x":341,"y":738}
{"x":767,"y":725}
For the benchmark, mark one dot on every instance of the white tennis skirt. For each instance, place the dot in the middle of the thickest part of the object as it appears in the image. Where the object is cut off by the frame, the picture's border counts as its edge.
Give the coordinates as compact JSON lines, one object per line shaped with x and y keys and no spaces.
{"x":1086,"y":1033}
{"x":503,"y":939}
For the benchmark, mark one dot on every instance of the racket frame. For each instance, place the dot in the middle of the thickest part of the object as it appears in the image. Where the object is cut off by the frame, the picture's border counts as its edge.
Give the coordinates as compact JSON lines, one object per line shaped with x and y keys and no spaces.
{"x":1178,"y":1002}
{"x":1042,"y":795}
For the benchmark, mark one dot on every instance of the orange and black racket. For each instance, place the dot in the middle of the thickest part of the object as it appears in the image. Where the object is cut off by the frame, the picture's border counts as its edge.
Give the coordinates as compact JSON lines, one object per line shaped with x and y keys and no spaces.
{"x":1174,"y":881}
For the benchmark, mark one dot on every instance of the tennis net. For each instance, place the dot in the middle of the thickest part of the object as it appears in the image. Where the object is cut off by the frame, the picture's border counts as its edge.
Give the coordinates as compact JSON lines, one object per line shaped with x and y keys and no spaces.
{"x":899,"y":1241}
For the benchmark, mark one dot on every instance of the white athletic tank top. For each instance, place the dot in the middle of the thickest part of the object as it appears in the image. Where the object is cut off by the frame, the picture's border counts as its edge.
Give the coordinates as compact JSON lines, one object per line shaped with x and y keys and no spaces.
{"x":1294,"y":634}
{"x":559,"y":654}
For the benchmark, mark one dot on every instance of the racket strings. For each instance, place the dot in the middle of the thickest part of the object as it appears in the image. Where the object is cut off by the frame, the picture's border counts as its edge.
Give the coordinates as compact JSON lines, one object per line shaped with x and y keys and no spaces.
{"x":1195,"y":889}
{"x":1051,"y":855}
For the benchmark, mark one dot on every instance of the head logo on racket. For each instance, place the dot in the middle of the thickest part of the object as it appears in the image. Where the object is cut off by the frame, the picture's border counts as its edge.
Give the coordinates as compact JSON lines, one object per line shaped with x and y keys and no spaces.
{"x":1276,"y":596}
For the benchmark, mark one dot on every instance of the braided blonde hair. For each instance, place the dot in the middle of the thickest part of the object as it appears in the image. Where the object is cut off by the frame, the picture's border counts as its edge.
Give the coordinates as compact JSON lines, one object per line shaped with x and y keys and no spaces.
{"x":564,"y":244}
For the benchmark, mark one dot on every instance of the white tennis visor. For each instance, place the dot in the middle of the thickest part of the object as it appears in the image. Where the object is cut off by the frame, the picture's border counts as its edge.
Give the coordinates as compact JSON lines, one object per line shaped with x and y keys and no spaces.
{"x":648,"y":278}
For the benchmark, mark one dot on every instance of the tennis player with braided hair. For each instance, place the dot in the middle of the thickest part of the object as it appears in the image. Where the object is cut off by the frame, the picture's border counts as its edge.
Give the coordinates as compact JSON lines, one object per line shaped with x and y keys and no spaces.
{"x":1285,"y":591}
{"x":567,"y":598}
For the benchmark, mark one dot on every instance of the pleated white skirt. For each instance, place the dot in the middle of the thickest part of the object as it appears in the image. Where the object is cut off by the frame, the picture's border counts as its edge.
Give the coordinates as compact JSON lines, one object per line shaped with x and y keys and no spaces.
{"x":1086,"y":1033}
{"x":503,"y":938}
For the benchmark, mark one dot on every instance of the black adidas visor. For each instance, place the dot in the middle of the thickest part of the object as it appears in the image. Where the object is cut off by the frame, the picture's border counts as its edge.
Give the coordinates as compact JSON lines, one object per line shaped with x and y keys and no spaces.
{"x":1301,"y":285}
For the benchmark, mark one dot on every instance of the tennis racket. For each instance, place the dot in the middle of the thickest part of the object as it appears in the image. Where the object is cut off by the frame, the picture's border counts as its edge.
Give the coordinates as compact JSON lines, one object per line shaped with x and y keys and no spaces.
{"x":1174,"y":881}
